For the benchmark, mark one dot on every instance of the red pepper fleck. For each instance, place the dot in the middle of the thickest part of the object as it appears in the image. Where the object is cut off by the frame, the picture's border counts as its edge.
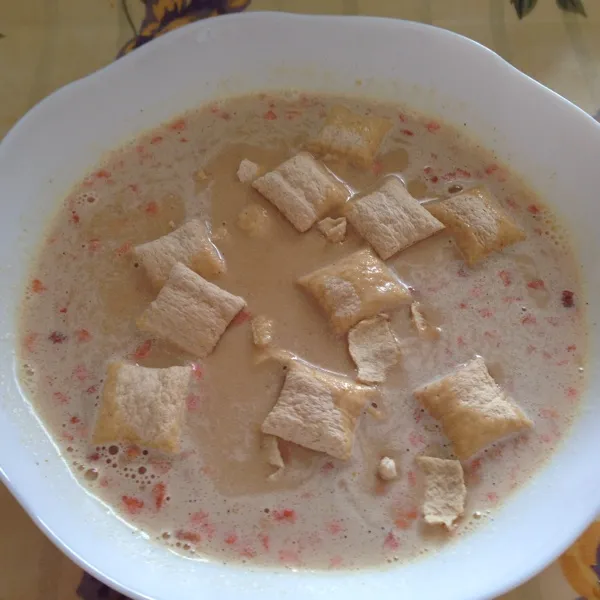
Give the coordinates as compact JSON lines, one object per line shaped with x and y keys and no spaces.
{"x":183,"y":140}
{"x":460,"y":341}
{"x":241,"y":317}
{"x":160,"y":465}
{"x":102,"y":174}
{"x":157,"y":139}
{"x":57,"y":338}
{"x":94,"y":456}
{"x":512,"y":202}
{"x":449,"y":176}
{"x":462,"y":272}
{"x":134,"y":187}
{"x":433,"y":126}
{"x":571,"y":348}
{"x":133,"y":452}
{"x":74,"y":420}
{"x":408,"y":132}
{"x":80,"y":373}
{"x":402,"y":117}
{"x":491,"y":169}
{"x":327,"y":467}
{"x":270,"y":115}
{"x":132,"y":504}
{"x":486,"y":313}
{"x":188,"y":536}
{"x":287,"y":514}
{"x":428,"y":170}
{"x":123,"y":249}
{"x":248,"y":552}
{"x":178,"y":125}
{"x":536,"y":284}
{"x":225,"y":115}
{"x":29,"y":341}
{"x":567,"y":298}
{"x":434,"y":179}
{"x":391,"y":542}
{"x":512,"y":299}
{"x":159,"y":493}
{"x":464,"y":174}
{"x":548,"y":413}
{"x":92,"y":389}
{"x":83,"y":335}
{"x":231,"y":539}
{"x":265,"y":540}
{"x":192,"y":402}
{"x":151,"y":208}
{"x":143,"y":350}
{"x":533,"y":209}
{"x":529,"y":320}
{"x":63,"y":310}
{"x":74,"y":217}
{"x":492,"y":496}
{"x":505,"y":276}
{"x":571,"y":392}
{"x":37,"y":287}
{"x":334,"y":527}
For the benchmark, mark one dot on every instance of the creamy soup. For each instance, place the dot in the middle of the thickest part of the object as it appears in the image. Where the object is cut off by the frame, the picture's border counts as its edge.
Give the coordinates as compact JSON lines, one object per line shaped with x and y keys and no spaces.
{"x":521,"y":309}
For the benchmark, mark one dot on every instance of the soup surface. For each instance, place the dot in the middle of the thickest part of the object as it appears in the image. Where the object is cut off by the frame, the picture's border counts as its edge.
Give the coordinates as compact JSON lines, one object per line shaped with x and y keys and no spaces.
{"x":521,"y":309}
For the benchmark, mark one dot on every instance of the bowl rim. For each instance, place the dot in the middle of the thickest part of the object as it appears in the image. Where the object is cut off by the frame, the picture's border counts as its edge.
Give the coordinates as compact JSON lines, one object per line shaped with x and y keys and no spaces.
{"x":577,"y":522}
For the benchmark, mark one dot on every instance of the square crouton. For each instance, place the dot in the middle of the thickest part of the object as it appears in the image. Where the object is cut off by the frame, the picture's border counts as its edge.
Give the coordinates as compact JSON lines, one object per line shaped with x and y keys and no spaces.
{"x":317,"y":410}
{"x":477,"y":223}
{"x":373,"y":348}
{"x":445,"y":491}
{"x":247,"y":171}
{"x":354,"y":288}
{"x":190,"y":245}
{"x":390,"y":219}
{"x":190,"y":312}
{"x":302,"y":189}
{"x":334,"y":230}
{"x":347,"y":135}
{"x":473,"y":409}
{"x":142,"y":406}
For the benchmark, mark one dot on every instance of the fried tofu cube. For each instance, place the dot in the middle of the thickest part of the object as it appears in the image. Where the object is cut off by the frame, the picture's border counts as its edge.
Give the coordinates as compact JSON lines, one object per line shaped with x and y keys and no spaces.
{"x":262,"y":331}
{"x":424,"y":328}
{"x":247,"y":171}
{"x":142,"y":406}
{"x":373,"y":348}
{"x":477,"y":223}
{"x":334,"y":230}
{"x":190,"y":312}
{"x":445,"y":491}
{"x":254,"y":220}
{"x":302,"y":189}
{"x":354,"y":288}
{"x":473,"y":409}
{"x":350,"y":136}
{"x":190,"y":245}
{"x":390,"y":219}
{"x":318,"y":410}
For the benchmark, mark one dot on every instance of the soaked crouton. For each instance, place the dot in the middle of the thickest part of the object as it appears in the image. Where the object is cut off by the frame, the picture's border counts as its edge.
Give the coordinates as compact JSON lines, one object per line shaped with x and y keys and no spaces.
{"x":270,"y":447}
{"x":355,"y":288}
{"x":445,"y":490}
{"x":350,"y":136}
{"x":190,"y":245}
{"x":390,"y":219}
{"x":142,"y":406}
{"x":478,"y":224}
{"x":254,"y":220}
{"x":333,"y":229}
{"x":387,"y":469}
{"x":318,"y":410}
{"x":262,"y":331}
{"x":473,"y":409}
{"x":424,"y":328}
{"x":374,"y":349}
{"x":302,"y":189}
{"x":190,"y":312}
{"x":247,"y":171}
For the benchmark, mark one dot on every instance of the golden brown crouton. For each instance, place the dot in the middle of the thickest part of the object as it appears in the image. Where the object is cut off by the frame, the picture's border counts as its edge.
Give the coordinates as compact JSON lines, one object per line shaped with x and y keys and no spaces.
{"x":247,"y":171}
{"x":473,"y":409}
{"x":262,"y":331}
{"x":142,"y":406}
{"x":478,"y":224}
{"x":355,"y":288}
{"x":390,"y":219}
{"x":190,"y":312}
{"x":317,"y":410}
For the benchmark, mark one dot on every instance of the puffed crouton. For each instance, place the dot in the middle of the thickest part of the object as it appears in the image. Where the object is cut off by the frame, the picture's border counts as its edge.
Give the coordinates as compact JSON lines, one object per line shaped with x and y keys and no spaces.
{"x":473,"y":409}
{"x":477,"y":223}
{"x":317,"y":410}
{"x":387,"y":469}
{"x":333,"y":229}
{"x":142,"y":406}
{"x":355,"y":288}
{"x":262,"y":331}
{"x":302,"y":189}
{"x":445,"y":490}
{"x":254,"y":220}
{"x":390,"y":219}
{"x":350,"y":136}
{"x":190,"y":312}
{"x":373,"y":348}
{"x":424,"y":328}
{"x":247,"y":171}
{"x":190,"y":245}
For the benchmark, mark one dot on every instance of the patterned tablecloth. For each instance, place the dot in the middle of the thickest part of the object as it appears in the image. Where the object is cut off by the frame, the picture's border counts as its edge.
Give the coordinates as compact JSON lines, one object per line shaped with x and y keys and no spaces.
{"x":45,"y":44}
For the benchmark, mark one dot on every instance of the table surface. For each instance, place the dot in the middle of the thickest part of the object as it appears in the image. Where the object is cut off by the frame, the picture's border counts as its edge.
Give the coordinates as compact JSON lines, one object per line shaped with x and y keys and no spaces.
{"x":45,"y":44}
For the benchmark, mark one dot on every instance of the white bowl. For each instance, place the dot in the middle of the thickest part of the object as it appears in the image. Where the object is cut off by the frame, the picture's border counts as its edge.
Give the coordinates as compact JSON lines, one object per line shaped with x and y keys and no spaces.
{"x":544,"y":137}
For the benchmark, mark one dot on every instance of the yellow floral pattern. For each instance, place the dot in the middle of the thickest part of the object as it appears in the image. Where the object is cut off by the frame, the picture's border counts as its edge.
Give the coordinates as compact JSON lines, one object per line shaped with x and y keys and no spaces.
{"x":580,"y":564}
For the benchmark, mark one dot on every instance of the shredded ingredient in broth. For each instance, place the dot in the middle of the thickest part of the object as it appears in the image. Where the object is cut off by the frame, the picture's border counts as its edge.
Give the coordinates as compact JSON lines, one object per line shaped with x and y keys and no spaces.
{"x":226,"y":495}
